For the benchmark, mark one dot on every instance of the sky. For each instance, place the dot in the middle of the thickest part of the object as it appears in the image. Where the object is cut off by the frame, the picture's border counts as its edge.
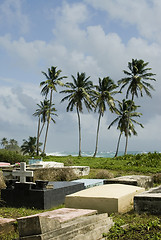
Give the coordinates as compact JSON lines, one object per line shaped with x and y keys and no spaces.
{"x":91,"y":36}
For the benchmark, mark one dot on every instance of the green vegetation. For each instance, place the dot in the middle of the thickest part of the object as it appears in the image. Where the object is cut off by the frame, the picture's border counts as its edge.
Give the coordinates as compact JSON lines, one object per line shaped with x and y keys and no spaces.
{"x":11,"y":156}
{"x":133,"y":226}
{"x":143,"y":163}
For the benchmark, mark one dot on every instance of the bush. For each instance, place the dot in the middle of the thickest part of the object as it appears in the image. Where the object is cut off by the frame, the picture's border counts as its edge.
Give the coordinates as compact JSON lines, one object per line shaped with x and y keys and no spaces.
{"x":11,"y":156}
{"x":104,"y":174}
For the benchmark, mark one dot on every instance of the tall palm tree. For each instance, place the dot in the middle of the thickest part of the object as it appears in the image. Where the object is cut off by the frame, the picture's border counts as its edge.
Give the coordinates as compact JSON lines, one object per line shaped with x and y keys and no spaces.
{"x":79,"y":92}
{"x":42,"y":112}
{"x":126,"y":112}
{"x":137,"y":80}
{"x":4,"y":142}
{"x":53,"y":79}
{"x":101,"y":96}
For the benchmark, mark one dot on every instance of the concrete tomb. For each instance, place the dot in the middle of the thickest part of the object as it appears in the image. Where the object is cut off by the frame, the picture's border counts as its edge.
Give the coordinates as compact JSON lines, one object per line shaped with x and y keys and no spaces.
{"x":108,"y":198}
{"x":88,"y":183}
{"x":7,"y":225}
{"x":40,"y":195}
{"x":45,"y":164}
{"x":64,"y":224}
{"x":149,"y":201}
{"x":135,"y":180}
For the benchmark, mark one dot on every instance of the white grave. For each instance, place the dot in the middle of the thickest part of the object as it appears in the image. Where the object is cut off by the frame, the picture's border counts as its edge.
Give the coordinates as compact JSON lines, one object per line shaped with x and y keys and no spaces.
{"x":22,"y":173}
{"x":47,"y":164}
{"x":108,"y":198}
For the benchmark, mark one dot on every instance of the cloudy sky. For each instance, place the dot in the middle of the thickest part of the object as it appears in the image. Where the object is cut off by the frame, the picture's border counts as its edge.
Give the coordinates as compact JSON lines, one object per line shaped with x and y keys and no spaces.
{"x":91,"y":36}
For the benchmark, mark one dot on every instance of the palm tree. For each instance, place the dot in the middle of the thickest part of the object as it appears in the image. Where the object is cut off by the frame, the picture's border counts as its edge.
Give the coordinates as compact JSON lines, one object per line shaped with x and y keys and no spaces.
{"x":53,"y":79}
{"x":29,"y":147}
{"x":79,"y":92}
{"x":125,"y":120}
{"x":13,"y":142}
{"x":102,"y":96}
{"x":4,"y":142}
{"x":137,"y":80}
{"x":42,"y":112}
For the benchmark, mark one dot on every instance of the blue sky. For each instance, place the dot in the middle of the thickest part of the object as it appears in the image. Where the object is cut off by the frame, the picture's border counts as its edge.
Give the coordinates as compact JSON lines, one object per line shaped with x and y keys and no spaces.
{"x":96,"y":37}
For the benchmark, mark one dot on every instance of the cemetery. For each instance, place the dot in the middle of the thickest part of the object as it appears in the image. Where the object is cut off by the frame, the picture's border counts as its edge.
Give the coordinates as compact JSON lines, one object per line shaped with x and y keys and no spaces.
{"x":88,"y":202}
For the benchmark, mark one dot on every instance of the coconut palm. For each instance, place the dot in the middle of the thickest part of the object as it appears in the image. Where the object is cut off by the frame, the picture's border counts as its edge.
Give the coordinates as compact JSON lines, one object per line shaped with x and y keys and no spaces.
{"x":79,"y":92}
{"x":102,"y":96}
{"x":50,"y":85}
{"x":126,"y":112}
{"x":13,"y":142}
{"x":4,"y":142}
{"x":42,"y":113}
{"x":137,"y":80}
{"x":29,"y":147}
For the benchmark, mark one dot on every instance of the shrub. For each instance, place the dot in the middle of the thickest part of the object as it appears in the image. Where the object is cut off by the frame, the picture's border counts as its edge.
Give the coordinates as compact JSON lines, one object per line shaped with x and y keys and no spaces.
{"x":11,"y":156}
{"x":104,"y":174}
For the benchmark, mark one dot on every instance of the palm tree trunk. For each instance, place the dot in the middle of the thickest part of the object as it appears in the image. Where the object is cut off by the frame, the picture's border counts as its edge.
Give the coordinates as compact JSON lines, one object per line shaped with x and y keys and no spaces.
{"x":38,"y":135}
{"x":127,"y":136}
{"x":48,"y":122}
{"x":98,"y":126}
{"x":127,"y":133}
{"x":118,"y":143}
{"x":41,"y":129}
{"x":79,"y":127}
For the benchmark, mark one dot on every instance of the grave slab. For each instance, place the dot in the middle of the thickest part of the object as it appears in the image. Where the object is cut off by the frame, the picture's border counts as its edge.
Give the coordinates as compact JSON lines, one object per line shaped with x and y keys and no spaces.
{"x":64,"y":224}
{"x":108,"y":198}
{"x":135,"y":180}
{"x":88,"y":183}
{"x":47,"y":164}
{"x":6,"y":225}
{"x":37,"y":195}
{"x":148,"y":201}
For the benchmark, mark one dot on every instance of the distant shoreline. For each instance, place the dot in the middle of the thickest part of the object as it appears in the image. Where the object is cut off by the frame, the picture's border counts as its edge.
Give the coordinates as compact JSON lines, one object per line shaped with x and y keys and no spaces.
{"x":99,"y":154}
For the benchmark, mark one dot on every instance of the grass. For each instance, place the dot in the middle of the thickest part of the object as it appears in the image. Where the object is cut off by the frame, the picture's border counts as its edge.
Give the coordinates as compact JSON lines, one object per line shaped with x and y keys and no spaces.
{"x":140,"y":163}
{"x":127,"y":226}
{"x":134,"y":226}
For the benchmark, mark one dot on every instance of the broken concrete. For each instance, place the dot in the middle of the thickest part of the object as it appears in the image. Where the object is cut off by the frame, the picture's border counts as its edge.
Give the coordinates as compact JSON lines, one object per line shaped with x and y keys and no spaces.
{"x":149,"y":201}
{"x":64,"y":224}
{"x":135,"y":180}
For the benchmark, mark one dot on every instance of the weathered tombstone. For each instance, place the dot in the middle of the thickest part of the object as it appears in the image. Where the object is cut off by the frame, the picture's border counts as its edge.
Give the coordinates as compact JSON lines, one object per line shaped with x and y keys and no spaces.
{"x":135,"y":180}
{"x":148,"y":201}
{"x":64,"y":223}
{"x":108,"y":198}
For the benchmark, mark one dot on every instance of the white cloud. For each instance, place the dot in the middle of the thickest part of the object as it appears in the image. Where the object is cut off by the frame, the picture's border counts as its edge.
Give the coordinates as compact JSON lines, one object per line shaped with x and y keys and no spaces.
{"x":11,"y":13}
{"x":141,"y":14}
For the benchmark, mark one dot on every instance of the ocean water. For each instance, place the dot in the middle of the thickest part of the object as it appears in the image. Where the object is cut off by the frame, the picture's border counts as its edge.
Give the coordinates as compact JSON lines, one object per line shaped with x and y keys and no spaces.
{"x":104,"y":154}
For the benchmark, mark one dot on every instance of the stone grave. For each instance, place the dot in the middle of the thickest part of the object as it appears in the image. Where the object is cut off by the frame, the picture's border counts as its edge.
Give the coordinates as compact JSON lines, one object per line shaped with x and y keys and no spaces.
{"x":88,"y":183}
{"x":64,"y":224}
{"x":47,"y":164}
{"x":149,"y":201}
{"x":7,"y":225}
{"x":135,"y":180}
{"x":40,"y":194}
{"x":108,"y":198}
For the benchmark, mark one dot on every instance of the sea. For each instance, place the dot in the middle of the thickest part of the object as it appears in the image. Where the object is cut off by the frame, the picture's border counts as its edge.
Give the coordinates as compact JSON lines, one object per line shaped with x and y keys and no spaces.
{"x":104,"y":154}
